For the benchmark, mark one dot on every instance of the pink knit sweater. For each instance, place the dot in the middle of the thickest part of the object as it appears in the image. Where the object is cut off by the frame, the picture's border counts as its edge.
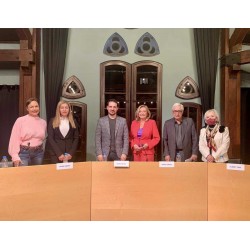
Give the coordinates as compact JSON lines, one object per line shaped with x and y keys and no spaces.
{"x":27,"y":130}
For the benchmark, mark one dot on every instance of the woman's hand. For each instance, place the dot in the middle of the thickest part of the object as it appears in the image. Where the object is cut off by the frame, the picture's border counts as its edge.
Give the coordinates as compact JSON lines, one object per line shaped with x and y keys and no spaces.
{"x":137,"y":148}
{"x":69,"y":156}
{"x":210,"y":158}
{"x":61,"y":157}
{"x":17,"y":163}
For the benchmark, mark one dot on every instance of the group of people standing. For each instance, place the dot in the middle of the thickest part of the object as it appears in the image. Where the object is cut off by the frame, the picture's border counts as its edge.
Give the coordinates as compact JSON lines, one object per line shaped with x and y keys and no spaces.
{"x":29,"y":133}
{"x":113,"y":138}
{"x":179,"y":136}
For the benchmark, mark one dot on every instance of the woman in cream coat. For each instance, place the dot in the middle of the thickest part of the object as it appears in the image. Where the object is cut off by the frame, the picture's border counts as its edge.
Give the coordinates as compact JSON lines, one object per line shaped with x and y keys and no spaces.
{"x":214,"y":139}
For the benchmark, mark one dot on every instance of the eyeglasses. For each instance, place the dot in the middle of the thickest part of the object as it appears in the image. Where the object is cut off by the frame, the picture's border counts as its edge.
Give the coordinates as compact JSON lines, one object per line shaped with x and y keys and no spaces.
{"x":177,"y":111}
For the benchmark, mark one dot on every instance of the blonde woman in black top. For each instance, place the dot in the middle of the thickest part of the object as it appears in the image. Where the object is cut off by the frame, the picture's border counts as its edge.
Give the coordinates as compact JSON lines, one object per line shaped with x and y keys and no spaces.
{"x":63,"y":134}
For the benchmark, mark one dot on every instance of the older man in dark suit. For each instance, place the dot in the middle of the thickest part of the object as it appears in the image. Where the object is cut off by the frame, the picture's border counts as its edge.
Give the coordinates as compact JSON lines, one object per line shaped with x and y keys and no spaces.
{"x":112,"y":137}
{"x":179,"y":136}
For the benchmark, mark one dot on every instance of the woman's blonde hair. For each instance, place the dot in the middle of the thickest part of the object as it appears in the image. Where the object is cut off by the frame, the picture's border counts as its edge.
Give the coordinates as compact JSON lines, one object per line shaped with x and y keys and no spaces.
{"x":137,"y":118}
{"x":57,"y":120}
{"x":212,"y":111}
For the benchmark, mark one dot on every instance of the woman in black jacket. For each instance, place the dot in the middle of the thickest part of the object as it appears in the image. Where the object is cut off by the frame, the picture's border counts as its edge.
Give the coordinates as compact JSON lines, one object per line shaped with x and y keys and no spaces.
{"x":63,"y":134}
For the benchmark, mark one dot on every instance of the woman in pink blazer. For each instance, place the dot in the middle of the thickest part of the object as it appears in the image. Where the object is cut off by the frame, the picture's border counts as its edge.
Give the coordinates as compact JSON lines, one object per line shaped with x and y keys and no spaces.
{"x":144,"y":135}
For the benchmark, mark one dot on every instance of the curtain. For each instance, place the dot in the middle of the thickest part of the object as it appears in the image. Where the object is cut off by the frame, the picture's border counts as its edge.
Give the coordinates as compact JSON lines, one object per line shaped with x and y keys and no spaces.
{"x":9,"y":109}
{"x":206,"y":51}
{"x":54,"y":53}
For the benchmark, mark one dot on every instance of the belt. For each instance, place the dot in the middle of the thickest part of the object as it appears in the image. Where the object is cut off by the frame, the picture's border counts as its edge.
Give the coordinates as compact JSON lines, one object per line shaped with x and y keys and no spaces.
{"x":179,"y":149}
{"x":31,"y":148}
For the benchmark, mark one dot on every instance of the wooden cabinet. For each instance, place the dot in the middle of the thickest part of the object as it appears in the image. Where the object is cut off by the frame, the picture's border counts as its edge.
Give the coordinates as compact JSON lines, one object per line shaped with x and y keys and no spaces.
{"x":132,"y":85}
{"x":193,"y":110}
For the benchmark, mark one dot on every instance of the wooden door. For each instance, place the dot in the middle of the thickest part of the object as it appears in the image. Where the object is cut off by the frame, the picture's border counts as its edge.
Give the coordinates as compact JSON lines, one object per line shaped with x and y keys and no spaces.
{"x":80,"y":115}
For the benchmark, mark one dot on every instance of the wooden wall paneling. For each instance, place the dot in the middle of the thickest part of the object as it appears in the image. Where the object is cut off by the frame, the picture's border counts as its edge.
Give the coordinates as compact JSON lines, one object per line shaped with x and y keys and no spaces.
{"x":146,"y":192}
{"x":30,"y":68}
{"x":9,"y":55}
{"x":36,"y":47}
{"x":43,"y":193}
{"x":230,"y":97}
{"x":223,"y":72}
{"x":25,"y":89}
{"x":232,"y":112}
{"x":228,"y":193}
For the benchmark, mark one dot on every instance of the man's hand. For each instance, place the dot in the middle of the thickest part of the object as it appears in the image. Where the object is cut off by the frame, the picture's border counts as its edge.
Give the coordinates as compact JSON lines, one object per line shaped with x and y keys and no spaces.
{"x":167,"y":158}
{"x":123,"y":157}
{"x":193,"y":158}
{"x":100,"y":158}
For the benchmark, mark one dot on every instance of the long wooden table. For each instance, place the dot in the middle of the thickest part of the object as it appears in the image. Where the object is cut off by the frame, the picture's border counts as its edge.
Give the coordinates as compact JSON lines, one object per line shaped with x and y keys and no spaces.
{"x":228,"y":193}
{"x":147,"y":192}
{"x":44,"y":193}
{"x":98,"y":191}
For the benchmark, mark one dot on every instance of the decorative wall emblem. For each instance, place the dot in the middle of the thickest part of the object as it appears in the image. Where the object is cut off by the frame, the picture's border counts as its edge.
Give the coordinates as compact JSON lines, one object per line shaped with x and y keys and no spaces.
{"x":187,"y":89}
{"x":115,"y":46}
{"x":147,"y":46}
{"x":73,"y":88}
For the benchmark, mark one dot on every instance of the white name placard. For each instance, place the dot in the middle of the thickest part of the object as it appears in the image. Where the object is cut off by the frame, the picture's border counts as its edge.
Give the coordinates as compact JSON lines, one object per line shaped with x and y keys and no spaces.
{"x":64,"y":165}
{"x":166,"y":164}
{"x":121,"y":164}
{"x":240,"y":167}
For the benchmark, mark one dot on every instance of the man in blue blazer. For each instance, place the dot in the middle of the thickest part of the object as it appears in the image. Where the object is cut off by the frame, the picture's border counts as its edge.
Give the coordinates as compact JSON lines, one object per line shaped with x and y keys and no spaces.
{"x":111,"y":136}
{"x":180,"y":136}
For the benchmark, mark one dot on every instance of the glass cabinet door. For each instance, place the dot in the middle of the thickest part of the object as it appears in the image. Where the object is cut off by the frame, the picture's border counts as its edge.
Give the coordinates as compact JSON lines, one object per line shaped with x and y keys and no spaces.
{"x":115,"y":84}
{"x":146,"y":82}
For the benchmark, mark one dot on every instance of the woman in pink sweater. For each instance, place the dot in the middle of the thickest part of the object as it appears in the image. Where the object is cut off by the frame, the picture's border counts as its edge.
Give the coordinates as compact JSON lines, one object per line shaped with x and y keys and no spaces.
{"x":27,"y":136}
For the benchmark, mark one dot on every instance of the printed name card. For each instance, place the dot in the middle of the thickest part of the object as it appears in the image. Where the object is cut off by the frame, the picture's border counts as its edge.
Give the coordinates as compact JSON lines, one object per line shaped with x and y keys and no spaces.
{"x":240,"y":167}
{"x":121,"y":164}
{"x":166,"y":164}
{"x":64,"y":165}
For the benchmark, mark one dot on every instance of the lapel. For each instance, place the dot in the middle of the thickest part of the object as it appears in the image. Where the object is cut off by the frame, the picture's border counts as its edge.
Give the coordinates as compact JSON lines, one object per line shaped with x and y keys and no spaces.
{"x":184,"y":126}
{"x":68,"y":134}
{"x":106,"y":124}
{"x":172,"y":128}
{"x":117,"y":124}
{"x":60,"y":134}
{"x":57,"y":129}
{"x":145,"y":127}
